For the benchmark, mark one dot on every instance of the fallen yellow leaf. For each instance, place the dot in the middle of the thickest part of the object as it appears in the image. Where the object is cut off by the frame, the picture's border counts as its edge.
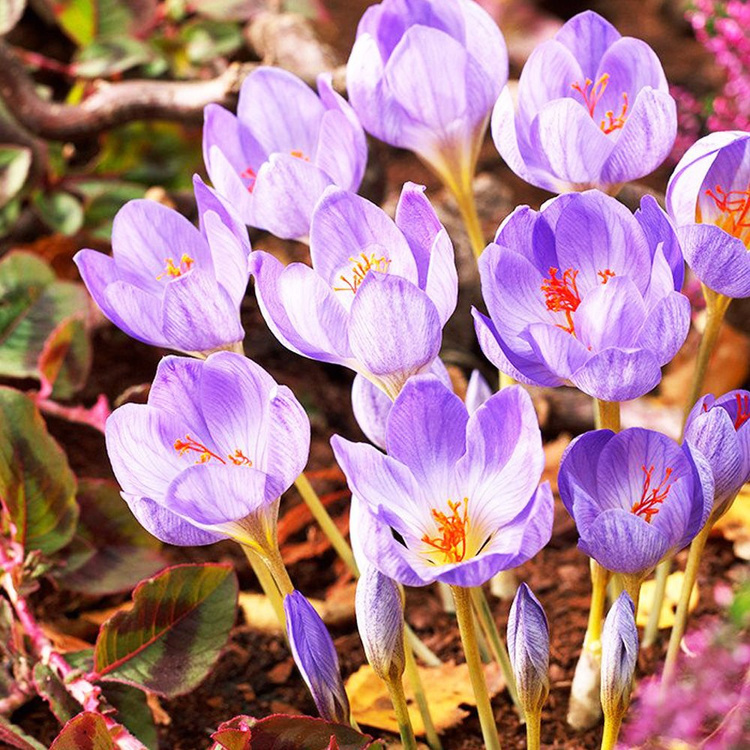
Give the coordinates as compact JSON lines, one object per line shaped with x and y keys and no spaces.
{"x":669,"y":605}
{"x":734,"y":525}
{"x":447,"y":687}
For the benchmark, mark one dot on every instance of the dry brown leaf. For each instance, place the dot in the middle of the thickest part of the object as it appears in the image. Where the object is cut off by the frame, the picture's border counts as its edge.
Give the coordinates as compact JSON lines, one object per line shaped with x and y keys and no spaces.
{"x":447,"y":686}
{"x":553,"y":453}
{"x":669,"y":605}
{"x":734,"y":525}
{"x":98,"y":616}
{"x":63,"y":642}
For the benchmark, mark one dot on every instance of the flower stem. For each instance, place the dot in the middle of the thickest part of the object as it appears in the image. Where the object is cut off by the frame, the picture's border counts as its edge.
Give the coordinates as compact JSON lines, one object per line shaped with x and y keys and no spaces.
{"x":417,"y":687}
{"x":652,"y":626}
{"x":279,"y":572}
{"x":611,"y":732}
{"x":500,"y":652}
{"x":716,"y":308}
{"x":398,"y":698}
{"x":324,"y":520}
{"x":607,"y":415}
{"x":533,"y":730}
{"x":267,"y":583}
{"x":469,"y":640}
{"x":464,"y":194}
{"x":632,"y":584}
{"x":680,"y":621}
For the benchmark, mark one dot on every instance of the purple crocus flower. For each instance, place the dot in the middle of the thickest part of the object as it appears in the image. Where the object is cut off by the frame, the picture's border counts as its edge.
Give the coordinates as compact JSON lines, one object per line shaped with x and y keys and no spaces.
{"x":212,"y":451}
{"x":594,"y":110}
{"x":316,"y":658}
{"x":424,"y":75}
{"x":167,"y":283}
{"x":708,"y":197}
{"x":637,"y":497}
{"x":619,"y":656}
{"x":528,"y":648}
{"x":461,"y":491}
{"x":478,"y":391}
{"x":720,"y":429}
{"x":286,"y":145}
{"x":377,"y":295}
{"x":584,"y":293}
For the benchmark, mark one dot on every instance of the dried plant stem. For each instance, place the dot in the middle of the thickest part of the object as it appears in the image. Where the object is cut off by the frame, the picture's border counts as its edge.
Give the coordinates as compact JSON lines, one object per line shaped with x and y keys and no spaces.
{"x":680,"y":621}
{"x":398,"y":698}
{"x":611,"y":732}
{"x":324,"y":520}
{"x":469,"y":640}
{"x":417,"y":687}
{"x":267,"y":583}
{"x":663,"y":570}
{"x":499,"y":651}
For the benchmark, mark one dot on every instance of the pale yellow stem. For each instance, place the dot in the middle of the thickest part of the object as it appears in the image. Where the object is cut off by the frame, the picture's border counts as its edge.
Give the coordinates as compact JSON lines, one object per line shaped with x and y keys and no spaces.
{"x":652,"y":626}
{"x":267,"y":583}
{"x":398,"y":699}
{"x":611,"y":732}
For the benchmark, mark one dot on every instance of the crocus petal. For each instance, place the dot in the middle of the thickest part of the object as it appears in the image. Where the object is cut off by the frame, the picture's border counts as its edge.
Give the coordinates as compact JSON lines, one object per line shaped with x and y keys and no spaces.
{"x":619,"y":655}
{"x":486,"y":44}
{"x":176,"y":390}
{"x":666,"y":327}
{"x":417,"y":219}
{"x":226,"y":178}
{"x":221,"y":131}
{"x":659,"y":230}
{"x":168,"y":526}
{"x":442,"y":279}
{"x":645,"y":140}
{"x":286,"y":191}
{"x":578,"y":467}
{"x":528,"y":233}
{"x":562,"y":353}
{"x":618,"y":375}
{"x":136,"y":312}
{"x":98,"y":271}
{"x":624,"y":543}
{"x":198,"y":315}
{"x":719,"y":260}
{"x":337,"y":152}
{"x":477,"y":391}
{"x":426,"y":431}
{"x":394,"y":329}
{"x":588,"y":36}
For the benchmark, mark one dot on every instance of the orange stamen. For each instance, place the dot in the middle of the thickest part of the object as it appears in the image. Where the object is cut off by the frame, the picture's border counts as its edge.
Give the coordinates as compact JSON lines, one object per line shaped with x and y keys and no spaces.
{"x":361,"y":266}
{"x":186,"y":263}
{"x":652,"y":497}
{"x":611,"y":122}
{"x":735,"y":207}
{"x":451,"y":539}
{"x":743,"y":411}
{"x":238,"y":458}
{"x":561,"y":295}
{"x":606,"y":275}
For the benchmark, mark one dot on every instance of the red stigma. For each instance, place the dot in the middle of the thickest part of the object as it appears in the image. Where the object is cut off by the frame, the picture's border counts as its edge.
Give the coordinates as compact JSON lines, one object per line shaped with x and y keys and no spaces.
{"x":735,"y":205}
{"x":743,"y":411}
{"x":248,"y":176}
{"x":610,"y":122}
{"x":451,"y":541}
{"x":652,"y":497}
{"x":605,"y":275}
{"x":183,"y":446}
{"x":561,"y":295}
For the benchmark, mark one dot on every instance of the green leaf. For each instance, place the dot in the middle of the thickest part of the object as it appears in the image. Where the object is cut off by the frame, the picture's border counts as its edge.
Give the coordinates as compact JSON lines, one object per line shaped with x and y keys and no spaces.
{"x":15,"y":162}
{"x":133,"y":712}
{"x":36,"y":482}
{"x":229,"y":10}
{"x":65,"y":360}
{"x":284,"y":732}
{"x":61,"y":212}
{"x":77,"y":18}
{"x":10,"y":13}
{"x":48,"y":685}
{"x":207,"y":40}
{"x":111,"y":55}
{"x":33,"y":302}
{"x":170,"y":639}
{"x":111,"y":551}
{"x":15,"y":737}
{"x":87,"y":731}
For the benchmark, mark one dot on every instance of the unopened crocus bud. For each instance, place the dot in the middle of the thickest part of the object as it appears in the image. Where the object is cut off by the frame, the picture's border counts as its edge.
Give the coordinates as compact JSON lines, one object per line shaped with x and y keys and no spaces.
{"x":619,"y":656}
{"x":315,"y":656}
{"x":528,"y":647}
{"x":380,"y":619}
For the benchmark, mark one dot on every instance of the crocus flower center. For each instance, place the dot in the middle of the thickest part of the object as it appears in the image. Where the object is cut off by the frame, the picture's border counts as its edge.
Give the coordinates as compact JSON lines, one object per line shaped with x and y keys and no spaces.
{"x":561,"y":294}
{"x":743,"y":411}
{"x":189,"y":444}
{"x":591,"y":92}
{"x":735,"y":211}
{"x":652,"y":497}
{"x":361,"y":266}
{"x":173,"y":271}
{"x":450,"y":541}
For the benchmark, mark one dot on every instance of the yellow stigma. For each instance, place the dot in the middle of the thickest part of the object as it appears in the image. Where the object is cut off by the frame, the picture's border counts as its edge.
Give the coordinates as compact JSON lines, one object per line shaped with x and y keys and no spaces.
{"x":186,"y":263}
{"x":452,"y":530}
{"x":189,"y":444}
{"x":361,"y":266}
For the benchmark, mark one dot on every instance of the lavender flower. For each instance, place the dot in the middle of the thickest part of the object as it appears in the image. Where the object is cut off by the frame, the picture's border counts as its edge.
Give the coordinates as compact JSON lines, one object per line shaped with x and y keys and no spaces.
{"x":708,"y":198}
{"x":380,"y":620}
{"x":424,"y":76}
{"x":528,"y":647}
{"x":619,"y":656}
{"x":316,"y":658}
{"x":637,"y":497}
{"x":169,"y":284}
{"x":720,"y":429}
{"x":478,"y":391}
{"x":461,"y":491}
{"x":377,"y":295}
{"x":286,"y":145}
{"x":211,"y":453}
{"x":594,"y":110}
{"x":584,"y":293}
